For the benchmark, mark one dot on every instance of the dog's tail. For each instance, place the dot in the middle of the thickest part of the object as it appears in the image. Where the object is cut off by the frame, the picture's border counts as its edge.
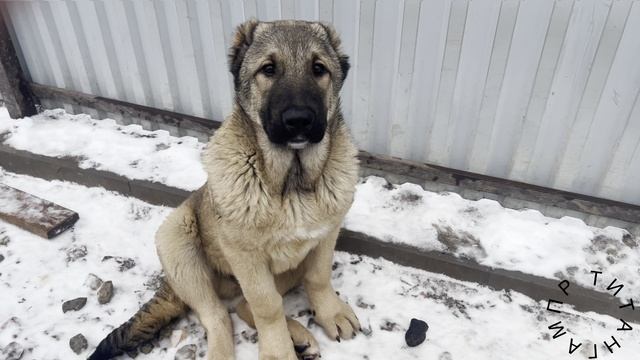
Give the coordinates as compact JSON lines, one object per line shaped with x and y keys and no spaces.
{"x":157,"y":313}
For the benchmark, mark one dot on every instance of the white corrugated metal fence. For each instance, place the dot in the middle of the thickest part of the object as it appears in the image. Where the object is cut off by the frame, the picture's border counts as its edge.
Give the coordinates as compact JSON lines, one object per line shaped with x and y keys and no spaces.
{"x":539,"y":91}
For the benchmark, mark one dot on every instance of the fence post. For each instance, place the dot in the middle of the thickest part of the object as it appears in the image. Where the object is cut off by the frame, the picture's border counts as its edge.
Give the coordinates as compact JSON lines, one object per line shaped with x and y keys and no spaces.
{"x":14,"y":88}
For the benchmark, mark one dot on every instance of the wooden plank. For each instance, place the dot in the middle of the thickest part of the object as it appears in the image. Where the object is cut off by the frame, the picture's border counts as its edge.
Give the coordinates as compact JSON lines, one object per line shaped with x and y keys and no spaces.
{"x":14,"y":88}
{"x":34,"y":214}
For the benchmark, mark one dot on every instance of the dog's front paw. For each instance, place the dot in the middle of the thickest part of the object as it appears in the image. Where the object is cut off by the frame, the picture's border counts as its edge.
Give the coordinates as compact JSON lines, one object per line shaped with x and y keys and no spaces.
{"x":337,"y":318}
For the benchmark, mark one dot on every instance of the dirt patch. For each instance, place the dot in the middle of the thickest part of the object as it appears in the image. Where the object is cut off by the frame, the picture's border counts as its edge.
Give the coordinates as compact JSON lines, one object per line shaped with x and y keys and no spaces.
{"x":124,"y":263}
{"x":4,"y":238}
{"x":408,"y":197}
{"x":630,"y":241}
{"x":403,"y":200}
{"x":138,"y":213}
{"x":154,"y":281}
{"x":76,"y":253}
{"x":460,"y":242}
{"x":389,"y":186}
{"x":4,"y":136}
{"x":613,"y":248}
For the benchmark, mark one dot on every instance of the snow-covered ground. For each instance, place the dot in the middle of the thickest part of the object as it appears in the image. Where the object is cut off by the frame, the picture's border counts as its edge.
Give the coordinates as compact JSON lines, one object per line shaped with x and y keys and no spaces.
{"x":126,"y":150}
{"x":483,"y":230}
{"x":467,"y":321}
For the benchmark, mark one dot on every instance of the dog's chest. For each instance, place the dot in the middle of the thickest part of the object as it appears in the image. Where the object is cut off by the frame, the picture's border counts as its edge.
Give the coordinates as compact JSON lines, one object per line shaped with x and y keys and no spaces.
{"x":287,"y":255}
{"x":303,"y":230}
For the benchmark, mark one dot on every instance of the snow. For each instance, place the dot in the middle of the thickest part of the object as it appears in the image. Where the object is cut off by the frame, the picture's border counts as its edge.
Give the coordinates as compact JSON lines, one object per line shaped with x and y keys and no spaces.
{"x":466,"y":320}
{"x":498,"y":237}
{"x":483,"y":230}
{"x":102,"y":144}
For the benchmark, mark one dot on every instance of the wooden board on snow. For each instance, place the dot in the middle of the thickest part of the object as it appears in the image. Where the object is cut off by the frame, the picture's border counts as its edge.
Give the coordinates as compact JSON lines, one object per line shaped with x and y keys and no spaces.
{"x":34,"y":214}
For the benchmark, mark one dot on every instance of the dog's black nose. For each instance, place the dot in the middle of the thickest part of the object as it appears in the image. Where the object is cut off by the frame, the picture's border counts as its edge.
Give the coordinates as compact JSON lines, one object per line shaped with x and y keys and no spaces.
{"x":297,"y":119}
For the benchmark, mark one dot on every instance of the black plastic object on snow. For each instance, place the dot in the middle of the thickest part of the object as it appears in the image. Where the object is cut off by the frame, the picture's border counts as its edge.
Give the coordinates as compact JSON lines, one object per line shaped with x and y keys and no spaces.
{"x":416,"y":333}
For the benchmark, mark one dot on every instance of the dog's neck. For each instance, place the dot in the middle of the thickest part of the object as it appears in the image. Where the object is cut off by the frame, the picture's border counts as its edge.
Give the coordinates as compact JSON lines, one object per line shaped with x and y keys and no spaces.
{"x":290,"y":169}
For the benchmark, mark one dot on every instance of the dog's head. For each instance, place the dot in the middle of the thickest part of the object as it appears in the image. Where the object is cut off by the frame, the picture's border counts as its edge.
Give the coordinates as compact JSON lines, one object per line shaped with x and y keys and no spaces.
{"x":287,"y":77}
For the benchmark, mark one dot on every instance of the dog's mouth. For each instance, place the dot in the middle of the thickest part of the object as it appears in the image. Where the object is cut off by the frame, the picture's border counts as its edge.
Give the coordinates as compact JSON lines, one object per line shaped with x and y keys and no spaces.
{"x":298,"y":143}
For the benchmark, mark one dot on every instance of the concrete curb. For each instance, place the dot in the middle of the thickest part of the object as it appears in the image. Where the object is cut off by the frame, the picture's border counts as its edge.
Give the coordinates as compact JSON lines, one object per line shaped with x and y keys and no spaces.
{"x":538,"y":288}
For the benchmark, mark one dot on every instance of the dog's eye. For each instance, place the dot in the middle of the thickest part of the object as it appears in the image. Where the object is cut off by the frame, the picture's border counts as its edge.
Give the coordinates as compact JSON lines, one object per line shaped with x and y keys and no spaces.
{"x":319,"y":69}
{"x":268,"y":70}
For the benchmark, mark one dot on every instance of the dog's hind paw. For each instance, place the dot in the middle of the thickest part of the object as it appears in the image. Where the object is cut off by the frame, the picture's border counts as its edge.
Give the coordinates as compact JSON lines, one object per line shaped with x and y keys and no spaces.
{"x":307,"y":351}
{"x":304,"y":343}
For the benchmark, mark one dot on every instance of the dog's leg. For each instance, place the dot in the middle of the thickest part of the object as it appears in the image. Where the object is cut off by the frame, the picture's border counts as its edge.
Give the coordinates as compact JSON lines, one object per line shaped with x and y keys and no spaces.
{"x":260,"y":290}
{"x":304,"y":342}
{"x":336,"y":317}
{"x":192,"y":280}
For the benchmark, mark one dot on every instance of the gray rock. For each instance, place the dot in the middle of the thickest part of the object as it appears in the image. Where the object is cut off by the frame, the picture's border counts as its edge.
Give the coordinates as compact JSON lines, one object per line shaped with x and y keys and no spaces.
{"x":187,"y":352}
{"x":105,"y":293}
{"x":74,"y":305}
{"x":4,"y":239}
{"x":1,"y":257}
{"x":146,"y":348}
{"x":78,"y":343}
{"x":93,"y":282}
{"x":13,"y":351}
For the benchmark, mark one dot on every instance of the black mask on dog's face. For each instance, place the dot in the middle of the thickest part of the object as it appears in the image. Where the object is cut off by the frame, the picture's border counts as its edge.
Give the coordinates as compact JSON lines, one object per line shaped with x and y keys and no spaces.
{"x":294,"y":112}
{"x":287,"y":77}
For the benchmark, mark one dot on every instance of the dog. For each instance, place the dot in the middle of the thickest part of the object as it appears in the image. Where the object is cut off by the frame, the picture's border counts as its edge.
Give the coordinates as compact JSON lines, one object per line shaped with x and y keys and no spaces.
{"x":282,"y":171}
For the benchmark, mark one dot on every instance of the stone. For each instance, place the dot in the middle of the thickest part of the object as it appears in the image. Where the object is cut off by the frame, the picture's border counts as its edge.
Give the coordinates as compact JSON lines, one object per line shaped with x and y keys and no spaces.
{"x":93,"y":282}
{"x":78,"y":343}
{"x":1,"y":257}
{"x":105,"y":293}
{"x":74,"y":305}
{"x":417,"y":332}
{"x":187,"y":352}
{"x":367,"y":331}
{"x":13,"y":351}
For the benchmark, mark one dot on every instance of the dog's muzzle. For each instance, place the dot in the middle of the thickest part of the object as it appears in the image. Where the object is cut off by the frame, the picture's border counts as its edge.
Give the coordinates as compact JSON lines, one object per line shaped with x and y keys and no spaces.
{"x":298,"y":122}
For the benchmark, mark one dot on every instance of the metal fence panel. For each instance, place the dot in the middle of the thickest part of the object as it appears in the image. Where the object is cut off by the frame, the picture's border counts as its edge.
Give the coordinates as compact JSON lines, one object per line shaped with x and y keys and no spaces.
{"x":539,"y":91}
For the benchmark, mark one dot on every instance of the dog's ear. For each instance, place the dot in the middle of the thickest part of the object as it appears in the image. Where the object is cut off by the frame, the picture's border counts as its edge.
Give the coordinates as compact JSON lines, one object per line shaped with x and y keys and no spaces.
{"x":241,"y":42}
{"x":334,"y":40}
